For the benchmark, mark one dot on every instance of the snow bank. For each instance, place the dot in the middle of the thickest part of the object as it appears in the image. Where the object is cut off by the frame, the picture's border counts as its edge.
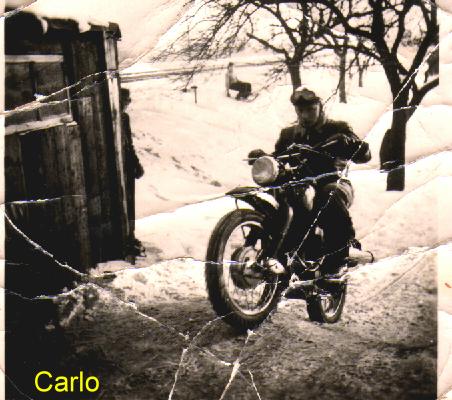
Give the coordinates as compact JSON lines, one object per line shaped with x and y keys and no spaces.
{"x":417,"y":219}
{"x":184,"y":232}
{"x":372,"y":200}
{"x":170,"y":281}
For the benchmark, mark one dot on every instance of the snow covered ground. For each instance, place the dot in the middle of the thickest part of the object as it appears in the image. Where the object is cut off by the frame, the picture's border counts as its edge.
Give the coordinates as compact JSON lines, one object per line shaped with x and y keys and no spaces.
{"x":193,"y":152}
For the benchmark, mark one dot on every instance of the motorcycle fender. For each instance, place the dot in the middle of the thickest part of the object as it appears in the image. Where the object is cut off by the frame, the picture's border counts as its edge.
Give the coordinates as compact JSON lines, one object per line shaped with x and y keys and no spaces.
{"x":259,"y":204}
{"x":277,"y":218}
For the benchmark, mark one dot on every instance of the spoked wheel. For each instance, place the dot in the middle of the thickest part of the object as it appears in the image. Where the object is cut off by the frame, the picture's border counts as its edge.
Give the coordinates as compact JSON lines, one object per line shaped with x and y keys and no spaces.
{"x":239,"y":288}
{"x":327,"y":307}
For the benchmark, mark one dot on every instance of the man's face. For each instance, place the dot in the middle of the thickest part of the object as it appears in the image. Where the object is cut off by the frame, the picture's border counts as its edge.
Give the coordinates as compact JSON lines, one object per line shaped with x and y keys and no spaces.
{"x":308,"y":115}
{"x":126,"y":102}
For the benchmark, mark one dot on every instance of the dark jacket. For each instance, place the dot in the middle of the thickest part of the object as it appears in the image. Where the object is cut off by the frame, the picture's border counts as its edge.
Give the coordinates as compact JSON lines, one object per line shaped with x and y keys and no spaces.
{"x":132,"y":163}
{"x":348,"y":145}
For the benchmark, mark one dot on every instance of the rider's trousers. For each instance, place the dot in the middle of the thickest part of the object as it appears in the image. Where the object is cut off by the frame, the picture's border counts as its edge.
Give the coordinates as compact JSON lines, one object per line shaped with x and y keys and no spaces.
{"x":332,"y":202}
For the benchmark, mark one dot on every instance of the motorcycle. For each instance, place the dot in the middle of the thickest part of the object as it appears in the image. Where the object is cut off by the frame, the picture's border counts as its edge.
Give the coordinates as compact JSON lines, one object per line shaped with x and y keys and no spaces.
{"x":260,"y":253}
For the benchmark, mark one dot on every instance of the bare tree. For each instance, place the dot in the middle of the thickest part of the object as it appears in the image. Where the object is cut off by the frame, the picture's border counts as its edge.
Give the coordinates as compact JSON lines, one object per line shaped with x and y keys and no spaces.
{"x":304,"y":36}
{"x":379,"y":27}
{"x":342,"y":52}
{"x":293,"y":31}
{"x":340,"y":47}
{"x":362,"y":62}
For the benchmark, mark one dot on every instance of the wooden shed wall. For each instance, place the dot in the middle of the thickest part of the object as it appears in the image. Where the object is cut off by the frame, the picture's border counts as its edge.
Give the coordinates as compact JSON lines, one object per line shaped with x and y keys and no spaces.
{"x":48,"y":201}
{"x":65,"y":183}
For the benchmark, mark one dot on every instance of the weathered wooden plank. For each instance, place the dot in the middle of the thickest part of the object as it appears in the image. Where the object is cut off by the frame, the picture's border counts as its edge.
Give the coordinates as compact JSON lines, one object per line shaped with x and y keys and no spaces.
{"x":62,"y":153}
{"x":66,"y":250}
{"x":32,"y":163}
{"x":39,"y":58}
{"x":82,"y":235}
{"x":14,"y":174}
{"x":92,"y":164}
{"x":86,"y":61}
{"x":87,"y":58}
{"x":36,"y":227}
{"x":18,"y":85}
{"x":50,"y":82}
{"x":75,"y":161}
{"x":50,"y":164}
{"x":106,"y":171}
{"x":111,"y":58}
{"x":19,"y":118}
{"x":58,"y":222}
{"x":58,"y":229}
{"x":99,"y":173}
{"x":37,"y":125}
{"x":68,"y":231}
{"x":111,"y":51}
{"x":54,"y":168}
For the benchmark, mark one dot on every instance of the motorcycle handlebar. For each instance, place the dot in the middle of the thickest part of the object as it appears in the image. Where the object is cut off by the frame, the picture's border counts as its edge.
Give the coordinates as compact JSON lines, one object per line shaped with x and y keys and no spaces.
{"x":298,"y":149}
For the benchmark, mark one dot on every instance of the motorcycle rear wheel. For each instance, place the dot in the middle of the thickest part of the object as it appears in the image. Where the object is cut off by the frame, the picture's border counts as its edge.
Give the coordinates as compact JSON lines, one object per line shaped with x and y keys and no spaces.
{"x":237,"y":242}
{"x":327,"y":308}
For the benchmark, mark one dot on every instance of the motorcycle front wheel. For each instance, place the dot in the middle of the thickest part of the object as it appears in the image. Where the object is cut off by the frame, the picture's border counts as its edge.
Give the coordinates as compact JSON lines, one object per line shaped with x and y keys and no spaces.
{"x":239,"y":289}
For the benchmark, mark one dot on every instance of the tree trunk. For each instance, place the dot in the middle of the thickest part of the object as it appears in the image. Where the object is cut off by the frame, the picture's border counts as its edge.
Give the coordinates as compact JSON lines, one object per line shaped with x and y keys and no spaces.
{"x":360,"y":76}
{"x":392,"y":151}
{"x":294,"y":71}
{"x":342,"y":72}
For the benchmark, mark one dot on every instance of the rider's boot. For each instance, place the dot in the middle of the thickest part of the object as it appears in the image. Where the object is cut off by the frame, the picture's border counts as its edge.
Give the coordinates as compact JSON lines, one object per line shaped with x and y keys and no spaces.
{"x":333,"y":267}
{"x":356,"y":257}
{"x":275,"y":266}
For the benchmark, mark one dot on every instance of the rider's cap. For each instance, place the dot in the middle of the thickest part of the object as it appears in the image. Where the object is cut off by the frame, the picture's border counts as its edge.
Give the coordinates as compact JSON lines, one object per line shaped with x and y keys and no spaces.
{"x":302,"y":96}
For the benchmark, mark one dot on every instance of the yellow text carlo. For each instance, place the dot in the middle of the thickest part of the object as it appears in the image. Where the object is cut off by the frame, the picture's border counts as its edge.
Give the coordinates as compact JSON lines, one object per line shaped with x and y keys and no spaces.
{"x":45,"y":382}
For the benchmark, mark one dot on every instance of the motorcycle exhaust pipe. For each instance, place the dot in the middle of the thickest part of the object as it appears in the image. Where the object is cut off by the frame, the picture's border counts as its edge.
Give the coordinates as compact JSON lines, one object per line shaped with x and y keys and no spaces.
{"x":301,"y":284}
{"x":339,"y":280}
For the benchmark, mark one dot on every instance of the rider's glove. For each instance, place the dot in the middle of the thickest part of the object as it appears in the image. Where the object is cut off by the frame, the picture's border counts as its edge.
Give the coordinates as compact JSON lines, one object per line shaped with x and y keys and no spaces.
{"x":345,"y":146}
{"x":253,"y":155}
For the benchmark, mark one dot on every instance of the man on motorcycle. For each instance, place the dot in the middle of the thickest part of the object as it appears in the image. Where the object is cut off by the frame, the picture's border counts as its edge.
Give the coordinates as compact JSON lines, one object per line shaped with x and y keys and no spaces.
{"x":334,"y":193}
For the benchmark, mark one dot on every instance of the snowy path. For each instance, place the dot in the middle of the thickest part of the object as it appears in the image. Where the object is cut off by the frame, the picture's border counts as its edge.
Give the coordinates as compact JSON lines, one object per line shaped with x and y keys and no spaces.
{"x":385,"y":335}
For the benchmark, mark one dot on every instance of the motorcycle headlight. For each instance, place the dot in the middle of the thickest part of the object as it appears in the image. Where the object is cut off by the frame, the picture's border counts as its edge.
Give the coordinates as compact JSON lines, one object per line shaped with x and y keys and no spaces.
{"x":265,"y":170}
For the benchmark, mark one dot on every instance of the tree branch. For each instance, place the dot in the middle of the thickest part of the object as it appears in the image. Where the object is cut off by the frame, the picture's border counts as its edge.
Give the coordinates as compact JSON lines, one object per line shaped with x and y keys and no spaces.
{"x":269,"y":45}
{"x":284,"y":25}
{"x":418,"y":95}
{"x":401,"y":28}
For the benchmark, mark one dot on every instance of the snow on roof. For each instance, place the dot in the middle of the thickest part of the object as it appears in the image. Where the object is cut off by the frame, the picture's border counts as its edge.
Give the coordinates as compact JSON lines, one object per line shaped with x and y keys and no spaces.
{"x":85,"y":12}
{"x":141,"y":22}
